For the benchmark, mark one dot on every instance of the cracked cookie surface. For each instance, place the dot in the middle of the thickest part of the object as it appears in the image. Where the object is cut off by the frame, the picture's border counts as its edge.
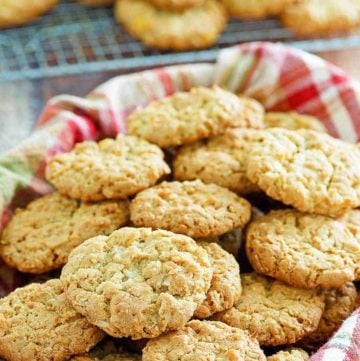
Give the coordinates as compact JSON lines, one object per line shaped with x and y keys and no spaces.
{"x":293,"y":121}
{"x":225,"y":288}
{"x":110,"y":169}
{"x":191,"y":208}
{"x":41,"y":236}
{"x":38,"y":323}
{"x":203,"y":341}
{"x":308,"y":170}
{"x":303,"y":250}
{"x":193,"y":28}
{"x":186,"y":117}
{"x":275,"y":313}
{"x":220,"y":160}
{"x":137,"y":282}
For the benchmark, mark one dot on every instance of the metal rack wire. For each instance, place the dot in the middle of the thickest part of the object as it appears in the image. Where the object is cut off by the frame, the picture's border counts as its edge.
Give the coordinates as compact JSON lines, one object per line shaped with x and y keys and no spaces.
{"x":75,"y":39}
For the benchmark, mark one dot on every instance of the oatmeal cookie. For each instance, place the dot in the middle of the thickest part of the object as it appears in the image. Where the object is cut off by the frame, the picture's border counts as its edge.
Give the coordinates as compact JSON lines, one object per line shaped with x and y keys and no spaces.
{"x":303,"y":250}
{"x":220,"y":160}
{"x":176,"y":4}
{"x":276,"y":314}
{"x":194,"y":28}
{"x":308,"y":170}
{"x":339,"y":304}
{"x":293,"y":121}
{"x":186,"y":117}
{"x":292,"y":354}
{"x":225,"y":287}
{"x":19,"y":12}
{"x":137,"y":282}
{"x":322,"y":17}
{"x":111,"y":169}
{"x":191,"y":208}
{"x":38,"y":323}
{"x":203,"y":341}
{"x":41,"y":236}
{"x":256,"y":9}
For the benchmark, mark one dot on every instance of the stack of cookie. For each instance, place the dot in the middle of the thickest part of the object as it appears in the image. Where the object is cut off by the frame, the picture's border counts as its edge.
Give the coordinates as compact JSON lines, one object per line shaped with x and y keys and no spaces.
{"x":153,"y":254}
{"x":173,"y":24}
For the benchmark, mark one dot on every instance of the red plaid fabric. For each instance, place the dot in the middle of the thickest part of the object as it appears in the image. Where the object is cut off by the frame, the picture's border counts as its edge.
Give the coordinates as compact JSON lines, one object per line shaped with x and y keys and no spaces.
{"x":282,"y":78}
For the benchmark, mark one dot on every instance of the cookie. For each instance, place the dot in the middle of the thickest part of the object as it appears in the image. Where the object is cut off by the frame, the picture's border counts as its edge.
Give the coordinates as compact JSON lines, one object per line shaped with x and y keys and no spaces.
{"x":255,"y":9}
{"x":41,"y":236}
{"x":111,"y":169}
{"x":191,"y":208}
{"x":308,"y":170}
{"x":194,"y":28}
{"x":137,"y":282}
{"x":97,"y":2}
{"x":19,"y":12}
{"x":225,"y":287}
{"x":273,"y":312}
{"x":293,"y":354}
{"x":303,"y":250}
{"x":220,"y":160}
{"x":176,"y":4}
{"x":339,"y":304}
{"x":293,"y":121}
{"x":187,"y":117}
{"x":322,"y":17}
{"x":38,"y":323}
{"x":203,"y":341}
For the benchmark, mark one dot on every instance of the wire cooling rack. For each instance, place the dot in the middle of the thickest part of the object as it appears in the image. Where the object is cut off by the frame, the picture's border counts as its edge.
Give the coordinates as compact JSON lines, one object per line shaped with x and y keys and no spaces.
{"x":74,"y":39}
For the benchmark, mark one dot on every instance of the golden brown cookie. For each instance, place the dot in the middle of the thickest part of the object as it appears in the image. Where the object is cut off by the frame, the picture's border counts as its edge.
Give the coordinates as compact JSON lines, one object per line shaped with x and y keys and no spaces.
{"x":225,"y":287}
{"x":38,"y":323}
{"x":41,"y":236}
{"x":292,"y":354}
{"x":339,"y":304}
{"x":187,"y":117}
{"x":303,"y":250}
{"x":97,"y":2}
{"x":137,"y":282}
{"x":220,"y":160}
{"x":19,"y":12}
{"x":191,"y":208}
{"x":255,"y":9}
{"x":293,"y":121}
{"x":322,"y":17}
{"x":176,"y":4}
{"x":308,"y":170}
{"x":275,"y":313}
{"x":194,"y":28}
{"x":111,"y":169}
{"x":204,"y":341}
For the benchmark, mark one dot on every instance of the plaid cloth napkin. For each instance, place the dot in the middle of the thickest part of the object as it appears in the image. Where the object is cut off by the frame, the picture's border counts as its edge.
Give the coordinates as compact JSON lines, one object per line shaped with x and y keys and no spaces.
{"x":280,"y":77}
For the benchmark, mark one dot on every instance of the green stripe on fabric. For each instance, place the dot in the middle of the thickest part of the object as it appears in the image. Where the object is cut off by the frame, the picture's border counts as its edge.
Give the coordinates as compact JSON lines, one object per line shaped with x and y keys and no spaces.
{"x":14,"y":174}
